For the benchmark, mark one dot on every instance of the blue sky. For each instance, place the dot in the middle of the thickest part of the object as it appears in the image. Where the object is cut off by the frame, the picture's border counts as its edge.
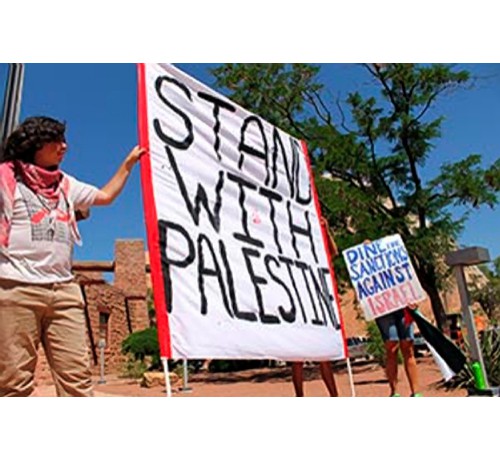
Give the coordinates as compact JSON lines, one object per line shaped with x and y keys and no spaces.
{"x":98,"y":102}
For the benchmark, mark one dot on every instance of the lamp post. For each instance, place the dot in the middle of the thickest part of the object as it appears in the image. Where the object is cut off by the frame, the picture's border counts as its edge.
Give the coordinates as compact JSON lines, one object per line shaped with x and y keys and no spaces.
{"x":12,"y":100}
{"x":103,"y":334}
{"x":458,"y":260}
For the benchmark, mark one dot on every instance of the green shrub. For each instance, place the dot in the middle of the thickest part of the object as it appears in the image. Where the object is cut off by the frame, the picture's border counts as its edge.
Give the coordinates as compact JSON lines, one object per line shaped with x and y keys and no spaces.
{"x":490,"y":347}
{"x":133,"y":368}
{"x":375,"y":346}
{"x":143,"y":347}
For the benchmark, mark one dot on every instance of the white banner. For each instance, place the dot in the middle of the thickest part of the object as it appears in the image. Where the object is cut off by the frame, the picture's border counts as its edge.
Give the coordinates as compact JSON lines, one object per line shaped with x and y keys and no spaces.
{"x":233,"y":215}
{"x":383,"y":276}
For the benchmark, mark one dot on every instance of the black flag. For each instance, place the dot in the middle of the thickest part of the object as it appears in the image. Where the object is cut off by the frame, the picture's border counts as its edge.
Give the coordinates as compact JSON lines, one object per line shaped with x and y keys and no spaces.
{"x":450,"y":353}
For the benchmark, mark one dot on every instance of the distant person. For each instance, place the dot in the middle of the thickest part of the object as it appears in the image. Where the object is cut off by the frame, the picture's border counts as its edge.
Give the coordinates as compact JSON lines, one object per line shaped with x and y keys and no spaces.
{"x":456,"y":331}
{"x":396,"y":329}
{"x":40,"y":304}
{"x":324,"y":366}
{"x":397,"y":332}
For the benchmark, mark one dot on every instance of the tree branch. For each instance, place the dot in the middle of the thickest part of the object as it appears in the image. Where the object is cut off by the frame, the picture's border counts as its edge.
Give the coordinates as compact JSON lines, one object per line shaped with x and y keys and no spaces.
{"x":377,"y":170}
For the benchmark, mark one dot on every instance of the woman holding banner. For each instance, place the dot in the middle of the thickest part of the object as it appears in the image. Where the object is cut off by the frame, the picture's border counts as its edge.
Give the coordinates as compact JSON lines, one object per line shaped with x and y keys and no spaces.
{"x":324,"y":366}
{"x":39,"y":301}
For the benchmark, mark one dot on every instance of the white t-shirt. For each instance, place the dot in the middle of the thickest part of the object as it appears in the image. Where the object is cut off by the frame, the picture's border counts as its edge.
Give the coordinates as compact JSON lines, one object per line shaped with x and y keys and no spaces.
{"x":41,"y":242}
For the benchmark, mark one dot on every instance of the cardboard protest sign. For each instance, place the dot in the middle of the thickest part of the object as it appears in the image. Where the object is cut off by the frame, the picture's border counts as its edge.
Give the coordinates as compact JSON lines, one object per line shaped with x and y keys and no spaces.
{"x":238,"y":256}
{"x":383,"y":276}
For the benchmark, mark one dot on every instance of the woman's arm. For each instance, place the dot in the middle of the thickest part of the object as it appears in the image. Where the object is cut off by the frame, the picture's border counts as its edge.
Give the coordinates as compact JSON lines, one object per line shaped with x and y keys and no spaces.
{"x":334,"y":252}
{"x":113,"y":188}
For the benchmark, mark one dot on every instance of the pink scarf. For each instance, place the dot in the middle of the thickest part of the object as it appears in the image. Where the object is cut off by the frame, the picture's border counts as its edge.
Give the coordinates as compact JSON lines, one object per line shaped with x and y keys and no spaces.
{"x":49,"y":184}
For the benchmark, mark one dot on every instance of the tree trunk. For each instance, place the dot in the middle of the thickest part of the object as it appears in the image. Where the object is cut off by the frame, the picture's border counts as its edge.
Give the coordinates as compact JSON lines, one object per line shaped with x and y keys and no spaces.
{"x":428,"y":280}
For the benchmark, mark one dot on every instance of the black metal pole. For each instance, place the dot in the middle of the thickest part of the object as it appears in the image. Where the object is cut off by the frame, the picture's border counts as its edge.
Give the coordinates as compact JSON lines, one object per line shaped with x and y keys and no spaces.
{"x":12,"y":100}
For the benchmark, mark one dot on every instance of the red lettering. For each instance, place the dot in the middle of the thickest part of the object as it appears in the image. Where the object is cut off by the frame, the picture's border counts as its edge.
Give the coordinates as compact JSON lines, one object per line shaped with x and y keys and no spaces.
{"x":372,"y":308}
{"x":389,"y":304}
{"x":414,"y":295}
{"x":399,"y":296}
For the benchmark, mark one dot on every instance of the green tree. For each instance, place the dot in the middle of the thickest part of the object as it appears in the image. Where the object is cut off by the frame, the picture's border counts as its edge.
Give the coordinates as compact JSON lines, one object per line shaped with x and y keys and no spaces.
{"x":489,"y":295}
{"x":368,"y":158}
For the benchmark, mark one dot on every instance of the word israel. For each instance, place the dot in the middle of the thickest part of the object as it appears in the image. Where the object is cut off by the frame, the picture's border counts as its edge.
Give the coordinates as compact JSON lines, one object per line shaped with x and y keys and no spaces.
{"x":383,"y":276}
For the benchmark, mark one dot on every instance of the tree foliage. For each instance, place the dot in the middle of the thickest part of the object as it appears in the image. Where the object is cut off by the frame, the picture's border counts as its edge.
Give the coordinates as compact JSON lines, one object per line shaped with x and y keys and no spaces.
{"x":369,"y":153}
{"x":143,"y":344}
{"x":489,"y":294}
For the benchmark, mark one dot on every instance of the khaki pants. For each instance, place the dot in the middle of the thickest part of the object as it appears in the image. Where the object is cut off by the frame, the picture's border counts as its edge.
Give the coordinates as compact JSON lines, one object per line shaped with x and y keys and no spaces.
{"x":53,"y":315}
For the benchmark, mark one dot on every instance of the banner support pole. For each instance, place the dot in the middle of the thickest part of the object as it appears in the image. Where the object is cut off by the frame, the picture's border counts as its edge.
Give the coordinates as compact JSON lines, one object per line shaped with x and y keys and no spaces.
{"x":185,"y":376}
{"x":168,"y":387}
{"x":351,"y":377}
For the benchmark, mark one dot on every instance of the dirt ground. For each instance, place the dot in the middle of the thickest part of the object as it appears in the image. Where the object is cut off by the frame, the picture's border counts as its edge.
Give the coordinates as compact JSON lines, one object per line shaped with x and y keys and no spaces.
{"x":369,"y":381}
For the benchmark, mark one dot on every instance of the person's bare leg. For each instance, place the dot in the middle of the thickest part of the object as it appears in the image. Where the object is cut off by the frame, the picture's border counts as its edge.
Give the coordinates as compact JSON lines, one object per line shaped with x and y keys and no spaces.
{"x":391,"y":368}
{"x":205,"y":367}
{"x":328,"y":377}
{"x":410,"y":365}
{"x":298,"y":378}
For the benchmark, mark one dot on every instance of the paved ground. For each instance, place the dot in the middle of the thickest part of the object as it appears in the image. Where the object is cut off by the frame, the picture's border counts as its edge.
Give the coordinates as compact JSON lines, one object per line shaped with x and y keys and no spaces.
{"x":369,"y":380}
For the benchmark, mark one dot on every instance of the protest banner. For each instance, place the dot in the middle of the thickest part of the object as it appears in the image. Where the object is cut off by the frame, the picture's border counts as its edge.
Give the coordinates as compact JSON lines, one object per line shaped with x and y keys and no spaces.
{"x":238,"y":257}
{"x":383,"y":276}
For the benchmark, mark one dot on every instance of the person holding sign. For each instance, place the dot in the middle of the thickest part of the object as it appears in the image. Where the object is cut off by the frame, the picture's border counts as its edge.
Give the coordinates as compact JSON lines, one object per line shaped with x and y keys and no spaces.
{"x":39,"y":301}
{"x":386,"y":285}
{"x":397,"y":332}
{"x":324,"y":366}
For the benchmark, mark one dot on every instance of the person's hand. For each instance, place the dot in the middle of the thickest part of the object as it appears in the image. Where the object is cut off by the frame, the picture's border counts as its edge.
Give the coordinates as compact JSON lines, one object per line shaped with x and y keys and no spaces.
{"x":135,"y":155}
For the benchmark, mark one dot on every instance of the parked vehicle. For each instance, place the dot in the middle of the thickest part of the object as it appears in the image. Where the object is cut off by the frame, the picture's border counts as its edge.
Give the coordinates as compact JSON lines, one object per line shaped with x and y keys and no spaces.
{"x":420,"y":345}
{"x":357,"y":348}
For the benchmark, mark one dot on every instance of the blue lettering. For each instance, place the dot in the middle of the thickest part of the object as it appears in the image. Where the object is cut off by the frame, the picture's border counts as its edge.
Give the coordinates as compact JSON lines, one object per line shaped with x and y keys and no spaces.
{"x":377,"y":287}
{"x":406,"y":266}
{"x":380,"y":248}
{"x":371,"y":265}
{"x":364,"y":271}
{"x":362,"y":292}
{"x":388,"y":279}
{"x":389,"y":260}
{"x":354,"y":273}
{"x":371,"y":250}
{"x":400,"y":277}
{"x":352,"y":256}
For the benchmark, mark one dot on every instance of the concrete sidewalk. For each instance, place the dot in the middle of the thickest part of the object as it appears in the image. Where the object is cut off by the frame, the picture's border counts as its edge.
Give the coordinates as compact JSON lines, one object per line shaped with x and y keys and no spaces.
{"x":369,"y":380}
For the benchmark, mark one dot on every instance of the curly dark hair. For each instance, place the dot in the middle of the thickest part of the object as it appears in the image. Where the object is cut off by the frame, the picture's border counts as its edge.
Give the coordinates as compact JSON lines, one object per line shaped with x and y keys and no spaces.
{"x":30,"y":136}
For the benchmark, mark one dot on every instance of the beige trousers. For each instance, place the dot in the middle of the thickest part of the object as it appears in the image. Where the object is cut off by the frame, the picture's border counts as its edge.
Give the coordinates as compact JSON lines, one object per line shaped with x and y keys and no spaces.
{"x":53,"y":315}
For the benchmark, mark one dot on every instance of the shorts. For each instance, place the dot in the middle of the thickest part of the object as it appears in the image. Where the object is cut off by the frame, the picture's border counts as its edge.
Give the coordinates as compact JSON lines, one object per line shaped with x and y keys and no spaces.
{"x":393,"y":327}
